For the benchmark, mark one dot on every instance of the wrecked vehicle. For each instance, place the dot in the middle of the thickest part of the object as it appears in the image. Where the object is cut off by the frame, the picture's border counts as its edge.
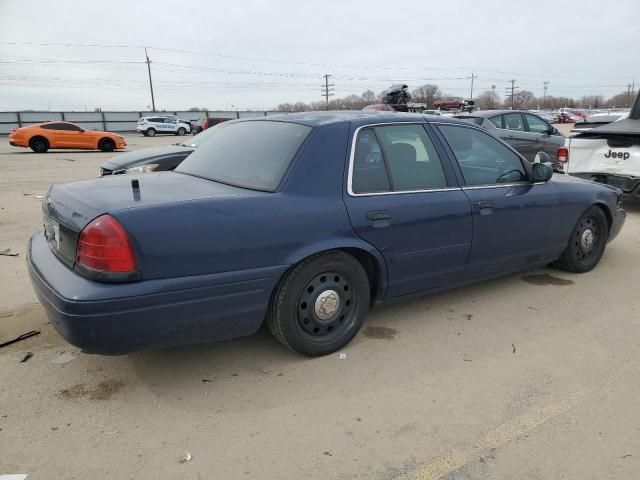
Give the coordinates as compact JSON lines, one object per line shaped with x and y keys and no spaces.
{"x":609,"y":154}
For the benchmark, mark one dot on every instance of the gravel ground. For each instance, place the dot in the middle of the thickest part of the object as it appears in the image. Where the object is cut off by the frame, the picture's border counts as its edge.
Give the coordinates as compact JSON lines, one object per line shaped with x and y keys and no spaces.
{"x":531,"y":376}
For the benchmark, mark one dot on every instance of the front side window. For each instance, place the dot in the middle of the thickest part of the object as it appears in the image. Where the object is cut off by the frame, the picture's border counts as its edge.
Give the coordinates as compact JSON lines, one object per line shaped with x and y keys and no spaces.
{"x":536,"y":124}
{"x":483,"y":159}
{"x":251,"y":154}
{"x":513,"y":121}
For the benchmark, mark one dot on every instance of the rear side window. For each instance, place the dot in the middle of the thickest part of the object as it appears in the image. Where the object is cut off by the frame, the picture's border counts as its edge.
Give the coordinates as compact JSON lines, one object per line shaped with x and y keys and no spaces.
{"x":53,"y":126}
{"x":369,"y":169}
{"x":483,"y":159}
{"x":251,"y":154}
{"x":396,"y":158}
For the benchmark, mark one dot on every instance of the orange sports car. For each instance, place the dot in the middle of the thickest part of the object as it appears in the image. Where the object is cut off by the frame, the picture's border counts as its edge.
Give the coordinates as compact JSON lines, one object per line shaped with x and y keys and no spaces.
{"x":43,"y":136}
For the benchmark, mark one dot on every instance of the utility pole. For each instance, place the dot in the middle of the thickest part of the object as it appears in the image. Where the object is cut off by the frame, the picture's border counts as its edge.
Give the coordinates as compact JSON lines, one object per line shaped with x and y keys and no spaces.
{"x":153,"y":101}
{"x":544,"y":98}
{"x":493,"y":96}
{"x":473,"y":77}
{"x":513,"y":91}
{"x":326,"y":89}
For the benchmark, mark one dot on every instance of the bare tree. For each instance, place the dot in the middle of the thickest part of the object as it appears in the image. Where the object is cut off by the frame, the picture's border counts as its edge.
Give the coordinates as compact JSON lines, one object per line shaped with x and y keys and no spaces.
{"x":427,"y":93}
{"x":369,"y":97}
{"x":622,"y":99}
{"x":488,"y":100}
{"x":522,"y":100}
{"x":591,"y":101}
{"x":285,"y":107}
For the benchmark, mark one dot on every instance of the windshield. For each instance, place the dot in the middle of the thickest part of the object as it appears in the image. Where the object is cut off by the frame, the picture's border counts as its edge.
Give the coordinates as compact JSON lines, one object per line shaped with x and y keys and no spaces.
{"x":251,"y":154}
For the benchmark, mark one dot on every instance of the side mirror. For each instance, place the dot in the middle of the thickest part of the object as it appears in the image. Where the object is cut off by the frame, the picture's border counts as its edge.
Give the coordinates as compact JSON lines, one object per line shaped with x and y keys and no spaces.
{"x":542,"y":157}
{"x":542,"y":172}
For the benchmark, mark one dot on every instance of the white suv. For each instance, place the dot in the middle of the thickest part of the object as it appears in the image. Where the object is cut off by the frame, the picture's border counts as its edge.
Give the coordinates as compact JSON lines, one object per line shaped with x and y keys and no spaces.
{"x":150,"y":126}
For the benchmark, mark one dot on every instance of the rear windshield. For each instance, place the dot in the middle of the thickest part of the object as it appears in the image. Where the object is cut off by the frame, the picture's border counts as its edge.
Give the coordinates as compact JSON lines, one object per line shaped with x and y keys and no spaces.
{"x":476,"y":120}
{"x":252,"y":154}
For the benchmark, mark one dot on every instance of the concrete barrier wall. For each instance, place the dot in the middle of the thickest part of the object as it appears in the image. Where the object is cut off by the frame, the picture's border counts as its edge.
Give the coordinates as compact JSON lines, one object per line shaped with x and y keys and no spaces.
{"x":111,"y":121}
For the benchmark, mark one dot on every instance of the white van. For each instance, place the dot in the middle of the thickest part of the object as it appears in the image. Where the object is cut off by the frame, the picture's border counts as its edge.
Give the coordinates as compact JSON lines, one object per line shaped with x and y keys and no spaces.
{"x":151,"y":126}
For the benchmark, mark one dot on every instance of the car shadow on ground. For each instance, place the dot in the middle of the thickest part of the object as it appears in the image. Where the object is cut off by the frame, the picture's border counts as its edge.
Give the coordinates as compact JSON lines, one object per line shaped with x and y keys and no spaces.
{"x":237,"y":370}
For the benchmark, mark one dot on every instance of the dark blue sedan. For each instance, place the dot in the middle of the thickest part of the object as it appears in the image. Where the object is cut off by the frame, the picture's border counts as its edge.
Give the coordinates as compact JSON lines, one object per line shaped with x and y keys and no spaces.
{"x":304,"y":221}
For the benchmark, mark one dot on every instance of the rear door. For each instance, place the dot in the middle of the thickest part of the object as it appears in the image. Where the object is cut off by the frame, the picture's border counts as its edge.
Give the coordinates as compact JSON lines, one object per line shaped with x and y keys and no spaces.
{"x":546,"y":140}
{"x":516,"y":135}
{"x":515,"y":222}
{"x":403,"y":199}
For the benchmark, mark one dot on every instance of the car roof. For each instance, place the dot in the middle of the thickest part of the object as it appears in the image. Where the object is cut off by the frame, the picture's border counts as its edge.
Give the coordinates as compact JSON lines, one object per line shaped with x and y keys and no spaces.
{"x":491,"y":113}
{"x":357,"y":117}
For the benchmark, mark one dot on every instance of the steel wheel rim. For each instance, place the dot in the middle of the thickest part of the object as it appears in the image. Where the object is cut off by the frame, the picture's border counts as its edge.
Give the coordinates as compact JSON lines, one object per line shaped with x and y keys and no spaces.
{"x":326,"y":307}
{"x":587,"y":239}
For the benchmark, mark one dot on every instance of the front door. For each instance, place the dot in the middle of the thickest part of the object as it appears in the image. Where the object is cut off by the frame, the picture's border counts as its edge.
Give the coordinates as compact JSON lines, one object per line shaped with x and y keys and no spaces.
{"x":515,"y":221}
{"x":405,"y":201}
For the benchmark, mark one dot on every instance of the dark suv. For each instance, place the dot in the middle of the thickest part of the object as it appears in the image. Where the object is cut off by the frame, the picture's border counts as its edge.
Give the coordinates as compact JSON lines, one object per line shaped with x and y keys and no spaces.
{"x":207,"y":122}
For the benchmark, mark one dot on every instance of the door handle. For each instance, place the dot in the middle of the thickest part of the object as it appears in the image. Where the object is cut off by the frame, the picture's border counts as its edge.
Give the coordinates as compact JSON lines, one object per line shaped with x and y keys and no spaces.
{"x":378,"y":215}
{"x":483,"y":204}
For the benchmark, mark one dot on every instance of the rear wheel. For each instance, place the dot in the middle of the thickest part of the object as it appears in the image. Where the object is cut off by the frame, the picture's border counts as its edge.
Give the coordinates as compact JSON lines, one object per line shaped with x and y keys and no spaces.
{"x":39,"y":144}
{"x":150,"y":132}
{"x":586,"y":244}
{"x":106,"y":145}
{"x":181,"y":131}
{"x":321,"y":304}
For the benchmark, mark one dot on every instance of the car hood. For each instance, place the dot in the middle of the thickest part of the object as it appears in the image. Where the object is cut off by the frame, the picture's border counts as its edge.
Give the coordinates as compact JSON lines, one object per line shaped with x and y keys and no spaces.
{"x":131,"y":159}
{"x":76,"y":204}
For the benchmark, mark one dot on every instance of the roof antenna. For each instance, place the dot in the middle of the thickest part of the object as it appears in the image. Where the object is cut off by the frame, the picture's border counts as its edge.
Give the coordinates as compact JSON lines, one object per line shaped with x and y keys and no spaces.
{"x":135,"y":186}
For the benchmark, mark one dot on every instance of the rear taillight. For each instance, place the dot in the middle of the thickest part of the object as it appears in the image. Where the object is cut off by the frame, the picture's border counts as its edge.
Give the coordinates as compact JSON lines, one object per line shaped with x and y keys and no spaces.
{"x":105,"y":248}
{"x":563,"y":155}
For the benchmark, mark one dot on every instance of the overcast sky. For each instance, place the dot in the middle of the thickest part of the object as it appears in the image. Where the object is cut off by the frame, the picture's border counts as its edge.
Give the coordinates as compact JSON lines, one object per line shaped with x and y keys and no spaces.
{"x":256,"y":54}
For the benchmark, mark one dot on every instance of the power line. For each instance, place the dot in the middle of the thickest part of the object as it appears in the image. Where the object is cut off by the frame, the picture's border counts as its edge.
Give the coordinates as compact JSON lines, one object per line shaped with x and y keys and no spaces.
{"x":295,"y":62}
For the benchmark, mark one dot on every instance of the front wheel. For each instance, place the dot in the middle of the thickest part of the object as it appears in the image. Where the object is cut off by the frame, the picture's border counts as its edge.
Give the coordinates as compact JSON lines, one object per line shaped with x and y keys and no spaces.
{"x":150,"y":132}
{"x":181,"y":131}
{"x":321,"y":304}
{"x":586,"y":244}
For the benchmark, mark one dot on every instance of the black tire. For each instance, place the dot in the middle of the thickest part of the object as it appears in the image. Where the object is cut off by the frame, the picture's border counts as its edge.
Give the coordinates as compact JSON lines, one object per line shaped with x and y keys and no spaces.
{"x":586,"y":244}
{"x":39,"y":144}
{"x":181,"y":131}
{"x":107,"y":145}
{"x":150,"y":132}
{"x":300,"y":301}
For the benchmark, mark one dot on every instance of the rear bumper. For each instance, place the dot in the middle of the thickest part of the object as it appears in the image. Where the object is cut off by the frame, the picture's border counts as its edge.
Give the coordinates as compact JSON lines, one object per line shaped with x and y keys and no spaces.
{"x":16,"y":143}
{"x":630,"y":186}
{"x":113,"y":319}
